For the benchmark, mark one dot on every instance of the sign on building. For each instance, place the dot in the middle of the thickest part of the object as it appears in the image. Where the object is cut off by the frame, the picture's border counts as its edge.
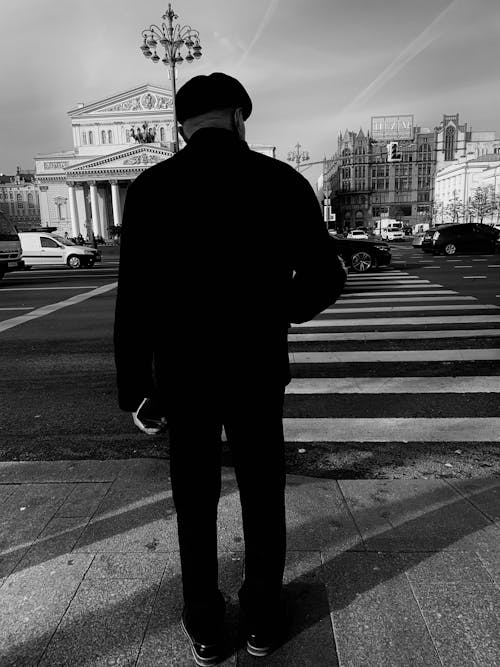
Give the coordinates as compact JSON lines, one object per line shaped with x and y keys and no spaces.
{"x":392,"y":127}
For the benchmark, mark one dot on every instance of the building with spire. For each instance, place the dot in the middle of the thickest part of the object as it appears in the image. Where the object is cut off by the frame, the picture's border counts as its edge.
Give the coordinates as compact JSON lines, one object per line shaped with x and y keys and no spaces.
{"x":389,"y":171}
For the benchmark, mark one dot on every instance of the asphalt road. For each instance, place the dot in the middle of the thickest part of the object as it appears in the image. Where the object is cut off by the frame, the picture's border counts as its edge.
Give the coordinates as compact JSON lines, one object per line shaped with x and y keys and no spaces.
{"x":431,"y":415}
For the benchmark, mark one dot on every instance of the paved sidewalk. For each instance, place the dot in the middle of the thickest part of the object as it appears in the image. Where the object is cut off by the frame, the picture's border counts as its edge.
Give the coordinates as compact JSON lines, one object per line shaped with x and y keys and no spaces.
{"x":379,"y":572}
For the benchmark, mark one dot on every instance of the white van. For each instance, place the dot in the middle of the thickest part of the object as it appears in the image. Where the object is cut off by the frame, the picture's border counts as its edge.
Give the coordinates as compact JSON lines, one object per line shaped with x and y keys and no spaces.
{"x":44,"y":249}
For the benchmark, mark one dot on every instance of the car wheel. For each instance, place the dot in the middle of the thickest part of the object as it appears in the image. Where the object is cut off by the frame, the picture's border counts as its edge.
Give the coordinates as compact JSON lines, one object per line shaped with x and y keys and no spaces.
{"x":450,"y":249}
{"x":74,"y":262}
{"x":362,"y":261}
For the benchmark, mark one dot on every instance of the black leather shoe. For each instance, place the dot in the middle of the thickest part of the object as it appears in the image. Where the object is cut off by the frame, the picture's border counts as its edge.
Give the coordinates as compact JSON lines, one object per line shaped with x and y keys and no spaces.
{"x":263,"y":638}
{"x":204,"y":654}
{"x":260,"y":644}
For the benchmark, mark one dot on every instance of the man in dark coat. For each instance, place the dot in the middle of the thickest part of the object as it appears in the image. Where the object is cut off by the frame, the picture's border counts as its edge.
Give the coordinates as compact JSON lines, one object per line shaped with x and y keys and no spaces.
{"x":221,"y":248}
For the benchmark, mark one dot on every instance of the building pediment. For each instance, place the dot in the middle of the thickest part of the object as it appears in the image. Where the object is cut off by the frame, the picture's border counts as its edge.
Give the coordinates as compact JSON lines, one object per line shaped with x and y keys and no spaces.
{"x":130,"y":161}
{"x":144,"y":99}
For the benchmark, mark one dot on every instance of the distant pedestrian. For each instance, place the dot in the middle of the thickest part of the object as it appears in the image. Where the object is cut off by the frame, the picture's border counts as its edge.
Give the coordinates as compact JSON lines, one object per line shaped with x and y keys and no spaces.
{"x":201,"y":328}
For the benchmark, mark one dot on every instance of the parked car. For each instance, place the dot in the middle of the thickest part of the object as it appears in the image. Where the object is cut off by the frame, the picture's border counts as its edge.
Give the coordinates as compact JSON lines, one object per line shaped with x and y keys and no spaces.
{"x":359,"y":234}
{"x":44,"y":249}
{"x":361,"y":255}
{"x":393,"y":235}
{"x":461,"y":237}
{"x":10,"y":246}
{"x":417,"y":239}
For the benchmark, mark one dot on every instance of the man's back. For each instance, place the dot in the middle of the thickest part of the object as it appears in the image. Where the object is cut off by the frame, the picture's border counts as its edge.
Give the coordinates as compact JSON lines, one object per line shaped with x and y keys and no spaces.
{"x":225,"y":229}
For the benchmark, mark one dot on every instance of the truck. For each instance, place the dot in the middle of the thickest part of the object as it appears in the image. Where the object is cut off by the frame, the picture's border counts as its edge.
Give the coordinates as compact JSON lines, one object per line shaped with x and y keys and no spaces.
{"x":389,"y":229}
{"x":10,"y":247}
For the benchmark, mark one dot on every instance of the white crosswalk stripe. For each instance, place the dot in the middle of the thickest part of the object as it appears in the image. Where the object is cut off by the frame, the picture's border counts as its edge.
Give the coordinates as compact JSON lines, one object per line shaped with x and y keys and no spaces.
{"x":319,"y":373}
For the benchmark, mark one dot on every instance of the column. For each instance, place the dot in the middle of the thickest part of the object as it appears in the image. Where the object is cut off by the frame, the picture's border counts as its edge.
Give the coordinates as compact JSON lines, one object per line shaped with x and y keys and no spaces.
{"x":117,"y":210}
{"x":81,"y":207}
{"x":44,"y":206}
{"x":103,"y":216}
{"x":94,"y":208}
{"x":73,"y":210}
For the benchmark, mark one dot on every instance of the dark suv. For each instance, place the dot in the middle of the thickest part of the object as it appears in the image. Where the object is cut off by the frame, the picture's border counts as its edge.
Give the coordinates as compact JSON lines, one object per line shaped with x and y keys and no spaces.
{"x":462,"y":237}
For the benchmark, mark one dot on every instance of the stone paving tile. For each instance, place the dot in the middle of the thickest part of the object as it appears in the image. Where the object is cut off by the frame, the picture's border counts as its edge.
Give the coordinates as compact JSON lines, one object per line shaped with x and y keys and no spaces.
{"x":134,"y":518}
{"x":445,"y":566}
{"x":6,"y":490}
{"x":84,"y":500}
{"x":32,"y":603}
{"x":57,"y":539}
{"x":309,"y":639}
{"x":21,"y":472}
{"x":128,"y":566}
{"x":376,"y":619}
{"x":27,"y":512}
{"x":318,"y":517}
{"x":146,"y":470}
{"x":8,"y":562}
{"x":104,"y":625}
{"x":165,"y":643}
{"x":416,"y":515}
{"x":463,"y":619}
{"x":482,"y":493}
{"x":491,"y":561}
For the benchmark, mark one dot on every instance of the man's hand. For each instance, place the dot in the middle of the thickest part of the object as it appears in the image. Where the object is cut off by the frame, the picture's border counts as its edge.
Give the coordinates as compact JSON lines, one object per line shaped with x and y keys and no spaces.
{"x":148,"y":417}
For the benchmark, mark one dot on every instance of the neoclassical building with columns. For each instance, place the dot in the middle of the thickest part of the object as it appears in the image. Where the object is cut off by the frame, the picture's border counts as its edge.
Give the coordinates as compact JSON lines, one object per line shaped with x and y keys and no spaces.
{"x":114,"y":139}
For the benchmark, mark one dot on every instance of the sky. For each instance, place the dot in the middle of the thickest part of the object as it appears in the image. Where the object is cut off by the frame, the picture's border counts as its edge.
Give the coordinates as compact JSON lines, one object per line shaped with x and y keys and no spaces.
{"x":312,"y":68}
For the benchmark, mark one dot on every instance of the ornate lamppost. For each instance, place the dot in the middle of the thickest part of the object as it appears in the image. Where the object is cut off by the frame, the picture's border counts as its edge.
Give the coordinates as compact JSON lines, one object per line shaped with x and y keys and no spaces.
{"x":298,"y":156}
{"x":172,"y":37}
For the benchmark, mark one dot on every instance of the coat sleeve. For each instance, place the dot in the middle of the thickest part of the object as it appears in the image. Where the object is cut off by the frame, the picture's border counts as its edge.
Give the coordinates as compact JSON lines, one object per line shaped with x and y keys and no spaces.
{"x":133,"y":344}
{"x":319,"y":274}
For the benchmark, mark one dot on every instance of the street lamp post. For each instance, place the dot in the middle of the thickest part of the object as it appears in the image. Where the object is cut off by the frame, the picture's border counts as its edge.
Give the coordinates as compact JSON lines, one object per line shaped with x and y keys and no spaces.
{"x":298,"y":156}
{"x":172,"y":37}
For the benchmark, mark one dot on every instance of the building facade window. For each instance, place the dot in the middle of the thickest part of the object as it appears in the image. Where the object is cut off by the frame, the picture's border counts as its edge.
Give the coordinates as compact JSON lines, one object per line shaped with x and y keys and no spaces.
{"x":91,"y":137}
{"x":424,"y":153}
{"x":103,"y":136}
{"x":449,"y":143}
{"x":84,"y":138}
{"x":31,"y":203}
{"x":110,"y":137}
{"x":162,"y":134}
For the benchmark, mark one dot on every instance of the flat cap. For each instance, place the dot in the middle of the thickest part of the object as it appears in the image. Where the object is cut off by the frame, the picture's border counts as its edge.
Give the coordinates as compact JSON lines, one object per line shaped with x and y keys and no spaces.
{"x":205,"y":93}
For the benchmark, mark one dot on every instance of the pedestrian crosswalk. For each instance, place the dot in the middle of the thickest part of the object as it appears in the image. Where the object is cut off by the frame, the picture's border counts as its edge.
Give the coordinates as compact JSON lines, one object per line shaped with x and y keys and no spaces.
{"x":379,"y":366}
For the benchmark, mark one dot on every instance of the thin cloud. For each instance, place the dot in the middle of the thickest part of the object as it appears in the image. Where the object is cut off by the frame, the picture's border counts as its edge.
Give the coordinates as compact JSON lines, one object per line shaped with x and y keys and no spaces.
{"x":271,"y":9}
{"x":419,"y":44}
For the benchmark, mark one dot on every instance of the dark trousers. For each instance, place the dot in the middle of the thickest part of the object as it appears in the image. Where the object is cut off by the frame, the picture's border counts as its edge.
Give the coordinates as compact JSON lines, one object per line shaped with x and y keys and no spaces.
{"x":254,"y":428}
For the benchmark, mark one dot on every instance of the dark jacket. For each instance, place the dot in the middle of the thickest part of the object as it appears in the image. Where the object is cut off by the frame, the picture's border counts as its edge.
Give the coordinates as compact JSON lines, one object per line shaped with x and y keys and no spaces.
{"x":221,"y":248}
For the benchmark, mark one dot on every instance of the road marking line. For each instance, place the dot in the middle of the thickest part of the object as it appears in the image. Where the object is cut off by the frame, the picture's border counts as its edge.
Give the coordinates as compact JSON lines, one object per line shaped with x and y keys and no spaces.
{"x":465,"y":277}
{"x":400,"y":385}
{"x":398,"y":321}
{"x":393,"y":356}
{"x":493,"y":266}
{"x":394,"y":429}
{"x":454,"y":260}
{"x":398,"y":309}
{"x":409,"y":292}
{"x":464,"y":266}
{"x":407,"y":298}
{"x":29,"y":308}
{"x":389,"y":283}
{"x":379,"y":286}
{"x":364,"y":276}
{"x":391,"y":335}
{"x":430,"y":267}
{"x":479,"y":260}
{"x":29,"y":289}
{"x":46,"y":310}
